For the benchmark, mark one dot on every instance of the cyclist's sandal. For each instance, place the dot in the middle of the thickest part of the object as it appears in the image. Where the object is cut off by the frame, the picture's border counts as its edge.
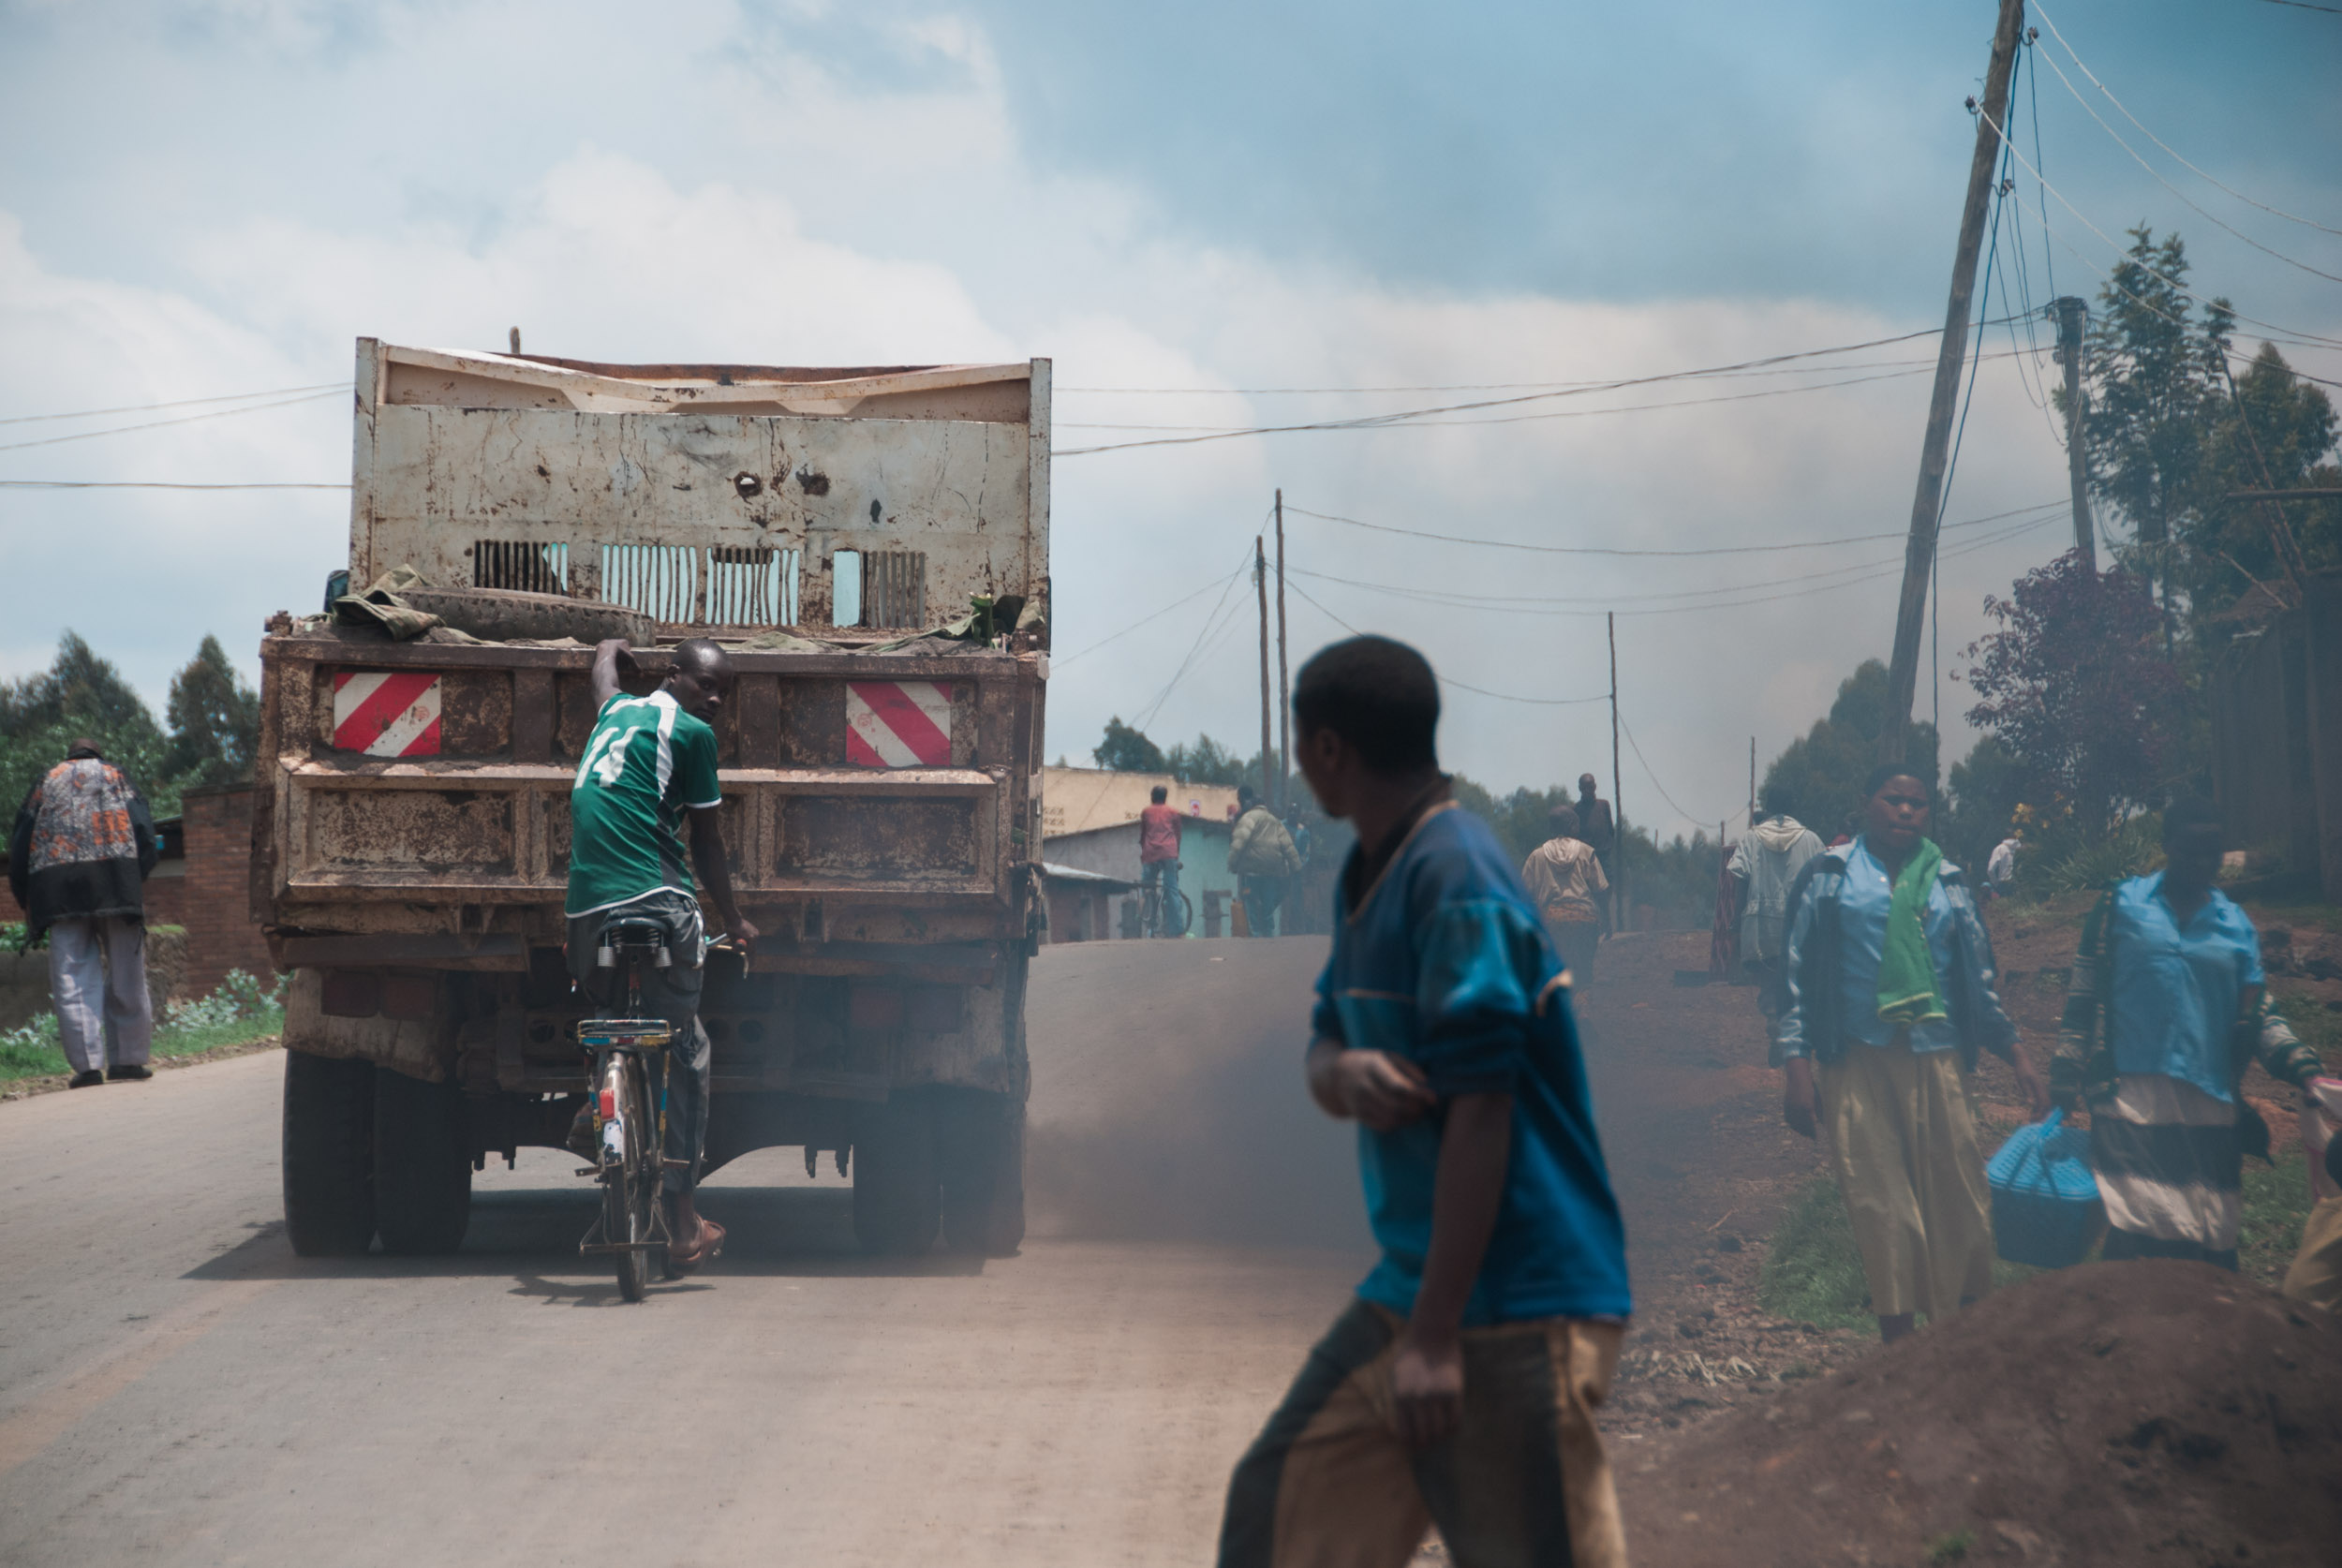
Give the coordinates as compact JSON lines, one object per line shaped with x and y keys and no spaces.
{"x":708,"y":1244}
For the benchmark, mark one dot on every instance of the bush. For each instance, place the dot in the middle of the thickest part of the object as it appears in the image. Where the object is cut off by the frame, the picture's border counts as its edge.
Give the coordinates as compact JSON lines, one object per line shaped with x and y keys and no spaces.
{"x":2066,"y":861}
{"x":238,"y":1011}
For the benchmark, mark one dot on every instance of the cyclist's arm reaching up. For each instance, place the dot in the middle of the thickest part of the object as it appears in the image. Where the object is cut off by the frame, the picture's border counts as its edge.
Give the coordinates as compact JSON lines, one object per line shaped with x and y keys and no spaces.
{"x":607,"y":653}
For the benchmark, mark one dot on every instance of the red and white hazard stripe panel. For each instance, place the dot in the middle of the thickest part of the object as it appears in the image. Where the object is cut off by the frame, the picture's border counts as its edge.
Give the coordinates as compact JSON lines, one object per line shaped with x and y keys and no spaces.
{"x":899,"y":724}
{"x":386,"y":713}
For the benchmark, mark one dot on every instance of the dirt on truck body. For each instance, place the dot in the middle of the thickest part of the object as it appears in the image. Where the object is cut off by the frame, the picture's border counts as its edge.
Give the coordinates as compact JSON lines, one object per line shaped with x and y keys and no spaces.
{"x":872,"y":545}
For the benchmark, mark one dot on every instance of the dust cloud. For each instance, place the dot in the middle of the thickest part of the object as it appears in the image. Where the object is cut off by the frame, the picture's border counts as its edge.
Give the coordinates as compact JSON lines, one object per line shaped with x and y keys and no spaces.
{"x":1167,"y":1101}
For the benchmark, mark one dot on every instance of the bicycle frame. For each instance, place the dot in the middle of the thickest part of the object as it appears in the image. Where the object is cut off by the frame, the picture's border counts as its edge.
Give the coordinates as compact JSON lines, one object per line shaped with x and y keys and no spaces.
{"x":614,"y":1044}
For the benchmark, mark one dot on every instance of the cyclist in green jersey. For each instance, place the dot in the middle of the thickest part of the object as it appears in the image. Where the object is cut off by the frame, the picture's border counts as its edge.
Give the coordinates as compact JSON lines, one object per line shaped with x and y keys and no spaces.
{"x":648,"y":766}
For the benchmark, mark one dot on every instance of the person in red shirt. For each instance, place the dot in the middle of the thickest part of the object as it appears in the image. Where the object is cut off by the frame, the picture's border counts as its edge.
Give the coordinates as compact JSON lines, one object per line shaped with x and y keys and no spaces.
{"x":1159,"y":857}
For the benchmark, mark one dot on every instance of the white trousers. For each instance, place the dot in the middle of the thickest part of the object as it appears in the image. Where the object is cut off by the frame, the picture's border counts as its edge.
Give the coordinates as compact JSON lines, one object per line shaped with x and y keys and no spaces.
{"x":98,"y":984}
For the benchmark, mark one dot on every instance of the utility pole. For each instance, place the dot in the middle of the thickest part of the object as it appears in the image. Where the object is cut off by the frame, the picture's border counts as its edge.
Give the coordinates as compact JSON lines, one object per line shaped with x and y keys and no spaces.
{"x":1285,"y":687}
{"x":1621,"y":908}
{"x":1919,"y":556}
{"x":1751,"y":777}
{"x":2072,"y":311}
{"x":1260,"y":581}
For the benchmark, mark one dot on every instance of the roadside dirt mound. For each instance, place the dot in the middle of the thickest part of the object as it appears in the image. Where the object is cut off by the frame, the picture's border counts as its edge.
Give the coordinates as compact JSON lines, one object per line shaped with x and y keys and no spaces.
{"x":2119,"y":1415}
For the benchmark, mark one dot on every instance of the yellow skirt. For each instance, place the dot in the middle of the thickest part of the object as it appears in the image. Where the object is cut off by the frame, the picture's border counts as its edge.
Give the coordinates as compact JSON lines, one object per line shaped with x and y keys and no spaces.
{"x":1900,"y":1127}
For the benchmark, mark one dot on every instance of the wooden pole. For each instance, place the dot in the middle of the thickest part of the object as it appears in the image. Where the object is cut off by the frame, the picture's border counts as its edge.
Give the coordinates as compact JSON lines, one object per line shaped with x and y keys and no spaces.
{"x":1285,"y":687}
{"x":1919,"y":556}
{"x":1260,"y":581}
{"x":1622,"y":909}
{"x":1751,"y":781}
{"x":2070,"y":313}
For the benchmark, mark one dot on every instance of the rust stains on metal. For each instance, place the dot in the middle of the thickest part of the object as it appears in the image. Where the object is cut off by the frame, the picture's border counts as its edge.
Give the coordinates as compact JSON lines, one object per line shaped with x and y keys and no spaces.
{"x":858,"y":838}
{"x":410,"y":834}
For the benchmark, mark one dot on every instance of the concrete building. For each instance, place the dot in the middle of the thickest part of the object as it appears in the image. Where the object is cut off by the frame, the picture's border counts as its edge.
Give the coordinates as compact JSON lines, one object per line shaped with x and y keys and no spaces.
{"x":1090,"y":823}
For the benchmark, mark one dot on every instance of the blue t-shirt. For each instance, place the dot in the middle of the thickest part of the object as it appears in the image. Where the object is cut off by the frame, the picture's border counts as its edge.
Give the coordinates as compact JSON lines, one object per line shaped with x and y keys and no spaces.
{"x":2177,"y":988}
{"x":1445,"y":962}
{"x":1870,"y":892}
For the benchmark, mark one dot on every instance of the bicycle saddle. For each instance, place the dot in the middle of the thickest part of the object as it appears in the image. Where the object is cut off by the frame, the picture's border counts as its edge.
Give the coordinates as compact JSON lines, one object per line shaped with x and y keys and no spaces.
{"x":631,"y":935}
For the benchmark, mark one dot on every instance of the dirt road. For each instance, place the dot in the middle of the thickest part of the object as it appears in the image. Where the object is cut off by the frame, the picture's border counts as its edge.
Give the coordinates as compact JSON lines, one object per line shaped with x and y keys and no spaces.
{"x":177,"y":1387}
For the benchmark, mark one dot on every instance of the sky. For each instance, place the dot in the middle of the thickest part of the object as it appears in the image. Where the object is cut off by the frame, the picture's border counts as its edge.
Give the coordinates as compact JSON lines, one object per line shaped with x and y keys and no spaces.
{"x":1189,"y":211}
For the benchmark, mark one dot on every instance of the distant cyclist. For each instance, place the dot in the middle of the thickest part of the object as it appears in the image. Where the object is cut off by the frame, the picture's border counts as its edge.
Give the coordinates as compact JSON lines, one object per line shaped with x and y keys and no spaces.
{"x":650,"y":763}
{"x":1158,"y":855}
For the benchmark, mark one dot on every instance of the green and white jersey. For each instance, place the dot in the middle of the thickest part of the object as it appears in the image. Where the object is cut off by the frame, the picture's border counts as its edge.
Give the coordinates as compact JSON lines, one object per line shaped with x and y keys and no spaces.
{"x":647,"y":762}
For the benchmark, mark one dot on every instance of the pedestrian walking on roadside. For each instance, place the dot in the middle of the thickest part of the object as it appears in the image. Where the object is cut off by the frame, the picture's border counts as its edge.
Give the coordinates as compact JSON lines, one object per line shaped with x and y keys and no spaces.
{"x":2000,"y":868}
{"x":1764,"y":867}
{"x":1459,"y":1387}
{"x":1564,"y":879}
{"x":1264,"y":860}
{"x":1159,"y":857}
{"x":1890,"y":984}
{"x":1597,"y":826}
{"x":79,"y":857}
{"x":2167,"y":1008}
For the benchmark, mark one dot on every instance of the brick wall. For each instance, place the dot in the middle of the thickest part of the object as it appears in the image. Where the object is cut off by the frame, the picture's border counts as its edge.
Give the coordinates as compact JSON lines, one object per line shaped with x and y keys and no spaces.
{"x":216,"y":894}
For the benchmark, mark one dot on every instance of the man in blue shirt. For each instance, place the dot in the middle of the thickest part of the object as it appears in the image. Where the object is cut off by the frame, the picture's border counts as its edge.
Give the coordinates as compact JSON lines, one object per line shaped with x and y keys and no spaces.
{"x":1459,"y":1387}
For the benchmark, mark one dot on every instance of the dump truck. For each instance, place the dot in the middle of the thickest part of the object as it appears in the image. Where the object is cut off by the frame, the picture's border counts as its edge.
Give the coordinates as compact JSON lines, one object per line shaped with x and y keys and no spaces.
{"x":871,"y":546}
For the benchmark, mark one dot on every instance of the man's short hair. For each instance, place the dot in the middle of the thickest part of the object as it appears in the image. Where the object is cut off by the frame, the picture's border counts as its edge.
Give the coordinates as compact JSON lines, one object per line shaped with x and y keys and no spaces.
{"x":1379,"y":695}
{"x":2191,"y":815}
{"x":1884,"y":771}
{"x":1565,"y":820}
{"x":1246,"y":797}
{"x":1777,"y":800}
{"x":84,"y":746}
{"x":1586,"y":783}
{"x":1158,"y":795}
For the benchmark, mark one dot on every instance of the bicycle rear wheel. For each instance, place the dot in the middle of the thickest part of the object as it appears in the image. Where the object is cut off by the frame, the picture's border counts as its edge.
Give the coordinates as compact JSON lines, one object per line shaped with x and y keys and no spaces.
{"x":629,"y":1192}
{"x":1187,"y":916}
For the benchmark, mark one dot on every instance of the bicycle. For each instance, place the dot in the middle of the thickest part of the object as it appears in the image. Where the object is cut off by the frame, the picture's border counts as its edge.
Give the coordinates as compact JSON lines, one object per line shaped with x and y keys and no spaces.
{"x":631,"y":1140}
{"x":1151,"y":911}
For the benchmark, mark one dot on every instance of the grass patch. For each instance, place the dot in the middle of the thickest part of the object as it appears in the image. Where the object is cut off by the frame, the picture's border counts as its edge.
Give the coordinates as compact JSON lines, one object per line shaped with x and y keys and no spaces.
{"x":1952,"y":1547}
{"x":236,"y":1014}
{"x":2276,"y":1202}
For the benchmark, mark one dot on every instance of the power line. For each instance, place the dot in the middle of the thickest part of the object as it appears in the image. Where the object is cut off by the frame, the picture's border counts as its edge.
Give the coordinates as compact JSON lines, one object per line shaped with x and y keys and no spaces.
{"x":157,"y":424}
{"x":1480,"y":690}
{"x":1449,"y":387}
{"x":180,"y":403}
{"x":1146,"y":716}
{"x":2279,"y":211}
{"x":1101,"y":642}
{"x":1605,"y":550}
{"x":2296,"y":333}
{"x":1368,"y":421}
{"x":1701,"y":821}
{"x":2109,"y":130}
{"x":153,"y":484}
{"x":2306,"y":5}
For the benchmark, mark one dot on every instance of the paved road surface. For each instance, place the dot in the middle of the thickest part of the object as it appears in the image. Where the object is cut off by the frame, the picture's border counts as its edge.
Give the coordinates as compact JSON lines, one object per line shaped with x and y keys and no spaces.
{"x":176,"y":1387}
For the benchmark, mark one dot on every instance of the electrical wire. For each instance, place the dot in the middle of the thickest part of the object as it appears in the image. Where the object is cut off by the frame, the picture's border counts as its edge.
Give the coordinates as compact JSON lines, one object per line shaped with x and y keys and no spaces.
{"x":1700,"y":822}
{"x":2251,"y":202}
{"x":154,"y":484}
{"x":2307,"y":338}
{"x":2192,"y":203}
{"x":1147,"y":714}
{"x":157,"y":424}
{"x":1311,"y":599}
{"x":1396,"y":417}
{"x":180,"y":403}
{"x":1454,"y":387}
{"x":1061,"y":663}
{"x":2306,"y":5}
{"x":1606,"y":550}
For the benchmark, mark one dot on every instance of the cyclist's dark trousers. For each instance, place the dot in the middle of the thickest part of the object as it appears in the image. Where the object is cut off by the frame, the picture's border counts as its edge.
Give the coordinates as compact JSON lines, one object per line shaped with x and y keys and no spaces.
{"x":1261,"y":896}
{"x":672,"y":994}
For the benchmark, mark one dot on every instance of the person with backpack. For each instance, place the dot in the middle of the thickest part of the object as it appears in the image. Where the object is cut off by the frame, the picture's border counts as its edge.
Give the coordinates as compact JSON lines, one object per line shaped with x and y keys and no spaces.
{"x":2167,"y":1008}
{"x":1889,"y":984}
{"x":1264,"y":860}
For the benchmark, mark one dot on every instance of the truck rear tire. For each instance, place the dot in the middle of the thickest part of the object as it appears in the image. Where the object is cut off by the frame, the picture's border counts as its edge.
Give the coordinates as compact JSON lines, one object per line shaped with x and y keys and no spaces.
{"x":328,"y":1155}
{"x":898,"y":1196}
{"x":980,"y":1142}
{"x":422,"y":1164}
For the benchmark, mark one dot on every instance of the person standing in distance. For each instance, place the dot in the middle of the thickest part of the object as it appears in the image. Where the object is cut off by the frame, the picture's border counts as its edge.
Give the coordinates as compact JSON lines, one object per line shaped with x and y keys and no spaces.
{"x":1159,"y":857}
{"x":1460,"y":1384}
{"x":648,"y":765}
{"x":1597,"y":826}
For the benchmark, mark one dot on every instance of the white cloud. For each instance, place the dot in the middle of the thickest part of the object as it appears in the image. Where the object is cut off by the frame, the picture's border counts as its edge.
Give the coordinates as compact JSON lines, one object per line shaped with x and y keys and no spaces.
{"x":815,"y":219}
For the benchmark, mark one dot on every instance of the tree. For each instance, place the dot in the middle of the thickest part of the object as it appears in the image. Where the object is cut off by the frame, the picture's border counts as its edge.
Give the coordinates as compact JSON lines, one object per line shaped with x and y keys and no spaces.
{"x":2076,"y":686}
{"x":2273,"y":431}
{"x":2156,"y":385}
{"x":1207,"y":761}
{"x":1823,"y":770}
{"x":1127,"y":750}
{"x":1986,"y":791}
{"x":79,"y":695}
{"x":214,"y":721}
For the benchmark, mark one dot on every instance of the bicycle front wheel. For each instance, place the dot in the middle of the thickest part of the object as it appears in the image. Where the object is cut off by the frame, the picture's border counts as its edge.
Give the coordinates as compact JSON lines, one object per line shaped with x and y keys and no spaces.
{"x":633,"y":1187}
{"x":1187,"y":916}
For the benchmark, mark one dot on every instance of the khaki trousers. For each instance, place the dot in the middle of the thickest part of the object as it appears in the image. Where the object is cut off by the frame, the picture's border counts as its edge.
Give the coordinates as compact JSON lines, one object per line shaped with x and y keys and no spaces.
{"x":1523,"y":1482}
{"x":1900,"y":1126}
{"x":2316,"y":1276}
